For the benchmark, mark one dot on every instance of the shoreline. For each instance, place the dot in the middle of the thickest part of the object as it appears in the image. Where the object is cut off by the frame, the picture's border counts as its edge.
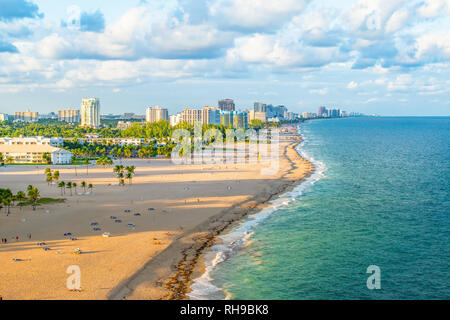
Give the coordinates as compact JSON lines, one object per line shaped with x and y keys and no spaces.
{"x":186,"y":252}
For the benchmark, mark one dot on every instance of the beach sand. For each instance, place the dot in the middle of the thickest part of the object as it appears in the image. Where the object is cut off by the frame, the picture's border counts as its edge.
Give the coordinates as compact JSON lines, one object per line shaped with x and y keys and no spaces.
{"x":154,"y":260}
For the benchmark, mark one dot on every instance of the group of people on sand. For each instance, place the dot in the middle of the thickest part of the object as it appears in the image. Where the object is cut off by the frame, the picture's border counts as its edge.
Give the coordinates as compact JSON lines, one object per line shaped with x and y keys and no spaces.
{"x":5,"y":240}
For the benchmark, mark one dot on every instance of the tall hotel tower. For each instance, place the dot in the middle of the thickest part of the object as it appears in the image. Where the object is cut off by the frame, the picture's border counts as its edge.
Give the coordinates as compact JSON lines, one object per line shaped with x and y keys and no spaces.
{"x":90,"y":112}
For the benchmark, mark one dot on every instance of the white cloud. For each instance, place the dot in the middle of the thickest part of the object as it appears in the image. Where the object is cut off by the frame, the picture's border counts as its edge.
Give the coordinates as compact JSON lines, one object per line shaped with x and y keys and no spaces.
{"x":352,"y":85}
{"x":321,"y":92}
{"x":434,"y":8}
{"x":401,"y":83}
{"x":255,"y":14}
{"x":271,"y":51}
{"x":397,"y":21}
{"x":138,"y":34}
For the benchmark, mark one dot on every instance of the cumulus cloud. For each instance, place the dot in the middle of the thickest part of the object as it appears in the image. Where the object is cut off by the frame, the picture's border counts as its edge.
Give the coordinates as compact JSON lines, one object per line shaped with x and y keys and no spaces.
{"x":18,"y":9}
{"x":370,"y":18}
{"x":401,"y":83}
{"x":270,"y":51}
{"x":434,"y":8}
{"x":254,"y":15}
{"x":136,"y":35}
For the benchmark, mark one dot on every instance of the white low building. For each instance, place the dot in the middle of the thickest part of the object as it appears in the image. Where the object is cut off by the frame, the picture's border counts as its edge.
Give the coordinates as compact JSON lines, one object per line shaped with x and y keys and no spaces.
{"x":54,"y":141}
{"x":22,"y":153}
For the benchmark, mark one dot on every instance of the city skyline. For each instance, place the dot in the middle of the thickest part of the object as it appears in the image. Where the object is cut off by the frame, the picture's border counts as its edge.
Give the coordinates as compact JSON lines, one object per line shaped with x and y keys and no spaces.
{"x":375,"y":57}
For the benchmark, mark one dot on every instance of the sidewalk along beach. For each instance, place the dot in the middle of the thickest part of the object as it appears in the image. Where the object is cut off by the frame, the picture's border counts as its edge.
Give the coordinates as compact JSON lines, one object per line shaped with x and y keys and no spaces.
{"x":159,"y":225}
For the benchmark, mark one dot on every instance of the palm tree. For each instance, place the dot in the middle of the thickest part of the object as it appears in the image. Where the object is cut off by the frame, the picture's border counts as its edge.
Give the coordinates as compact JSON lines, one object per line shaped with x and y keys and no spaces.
{"x":33,"y":195}
{"x":131,"y":169}
{"x":56,"y":175}
{"x":129,"y":176}
{"x":20,"y":196}
{"x":30,"y":187}
{"x":47,"y":171}
{"x":86,"y":162}
{"x":49,"y":178}
{"x":7,"y":202}
{"x":90,"y":186}
{"x":69,"y":186}
{"x":122,"y":182}
{"x":74,"y":185}
{"x":62,"y":185}
{"x":46,"y":157}
{"x":83,"y":184}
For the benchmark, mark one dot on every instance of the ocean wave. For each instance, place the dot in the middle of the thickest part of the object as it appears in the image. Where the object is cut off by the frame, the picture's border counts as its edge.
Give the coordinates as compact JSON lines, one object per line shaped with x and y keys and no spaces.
{"x":203,"y":287}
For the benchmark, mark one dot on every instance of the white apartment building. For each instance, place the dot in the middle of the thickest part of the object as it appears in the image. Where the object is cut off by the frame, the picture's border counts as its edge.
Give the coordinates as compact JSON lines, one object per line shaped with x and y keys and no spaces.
{"x":22,"y":153}
{"x":90,"y":112}
{"x":3,"y":117}
{"x":175,"y":119}
{"x":156,"y":114}
{"x":54,"y":142}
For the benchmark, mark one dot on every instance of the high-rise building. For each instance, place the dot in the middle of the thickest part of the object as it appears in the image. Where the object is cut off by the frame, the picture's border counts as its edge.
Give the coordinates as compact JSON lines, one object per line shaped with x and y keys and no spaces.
{"x":72,"y":116}
{"x":226,"y":118}
{"x":3,"y":117}
{"x":26,"y":116}
{"x":323,"y":112}
{"x":156,"y":114}
{"x":309,"y":115}
{"x":259,"y":107}
{"x":227,"y":105}
{"x":175,"y":119}
{"x":257,"y":115}
{"x":191,"y":116}
{"x":90,"y":112}
{"x":240,"y":120}
{"x":210,"y":115}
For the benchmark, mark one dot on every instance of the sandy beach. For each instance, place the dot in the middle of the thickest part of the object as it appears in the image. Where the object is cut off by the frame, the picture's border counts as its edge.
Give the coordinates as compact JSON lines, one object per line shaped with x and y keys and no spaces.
{"x":156,"y":258}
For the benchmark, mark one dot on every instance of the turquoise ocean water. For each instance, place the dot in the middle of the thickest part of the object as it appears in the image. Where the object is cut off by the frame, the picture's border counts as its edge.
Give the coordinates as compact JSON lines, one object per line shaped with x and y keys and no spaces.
{"x":380,"y":196}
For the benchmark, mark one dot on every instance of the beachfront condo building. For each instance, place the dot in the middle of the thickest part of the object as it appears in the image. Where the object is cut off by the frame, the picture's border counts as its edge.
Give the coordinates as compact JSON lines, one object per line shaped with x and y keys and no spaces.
{"x":68,"y":115}
{"x":90,"y":112}
{"x":26,"y":116}
{"x":259,"y":107}
{"x":240,"y":120}
{"x":210,"y":115}
{"x":34,"y":153}
{"x":257,"y":115}
{"x":226,"y":105}
{"x":156,"y":114}
{"x":309,"y":115}
{"x":175,"y":119}
{"x":234,"y":119}
{"x":3,"y":117}
{"x":191,"y":116}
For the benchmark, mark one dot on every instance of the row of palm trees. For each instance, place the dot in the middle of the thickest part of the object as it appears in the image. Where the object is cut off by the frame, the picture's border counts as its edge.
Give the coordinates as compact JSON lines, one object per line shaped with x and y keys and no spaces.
{"x":124,"y":172}
{"x":73,"y":185}
{"x":54,"y":176}
{"x":8,"y":199}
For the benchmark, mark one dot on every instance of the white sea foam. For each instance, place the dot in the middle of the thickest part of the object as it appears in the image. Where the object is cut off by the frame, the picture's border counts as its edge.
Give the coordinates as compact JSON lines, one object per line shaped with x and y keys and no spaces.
{"x":203,"y":287}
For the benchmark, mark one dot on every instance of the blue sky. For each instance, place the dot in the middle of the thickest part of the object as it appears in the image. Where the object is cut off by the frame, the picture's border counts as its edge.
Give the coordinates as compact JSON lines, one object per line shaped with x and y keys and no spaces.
{"x":389,"y":57}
